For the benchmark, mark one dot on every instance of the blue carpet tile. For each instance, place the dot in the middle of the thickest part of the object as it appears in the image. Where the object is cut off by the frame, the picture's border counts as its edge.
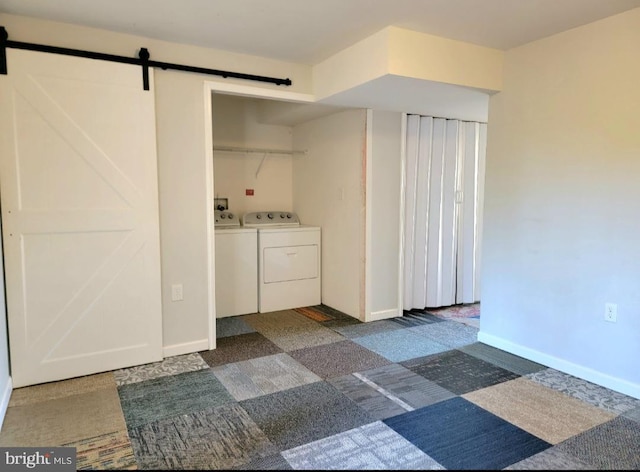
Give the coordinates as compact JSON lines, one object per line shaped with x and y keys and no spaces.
{"x":460,"y":435}
{"x":410,"y":319}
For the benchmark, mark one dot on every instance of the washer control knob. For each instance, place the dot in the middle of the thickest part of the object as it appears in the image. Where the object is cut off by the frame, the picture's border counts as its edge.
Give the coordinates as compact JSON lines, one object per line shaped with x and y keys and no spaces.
{"x":223,"y":216}
{"x":281,"y":215}
{"x":230,"y":216}
{"x":259,"y":216}
{"x":289,"y":215}
{"x":270,"y":216}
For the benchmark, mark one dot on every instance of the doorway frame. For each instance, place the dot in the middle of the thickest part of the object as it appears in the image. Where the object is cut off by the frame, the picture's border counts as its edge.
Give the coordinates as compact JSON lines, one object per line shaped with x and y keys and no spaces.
{"x":211,"y":87}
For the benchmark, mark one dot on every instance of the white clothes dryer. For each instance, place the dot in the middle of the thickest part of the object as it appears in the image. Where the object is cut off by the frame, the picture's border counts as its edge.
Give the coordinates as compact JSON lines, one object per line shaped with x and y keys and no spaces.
{"x":289,"y":260}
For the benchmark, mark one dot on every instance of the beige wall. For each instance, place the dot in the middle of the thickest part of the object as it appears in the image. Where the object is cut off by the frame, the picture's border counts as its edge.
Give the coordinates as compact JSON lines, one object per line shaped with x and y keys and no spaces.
{"x":236,"y":123}
{"x":562,"y":203}
{"x":328,"y":191}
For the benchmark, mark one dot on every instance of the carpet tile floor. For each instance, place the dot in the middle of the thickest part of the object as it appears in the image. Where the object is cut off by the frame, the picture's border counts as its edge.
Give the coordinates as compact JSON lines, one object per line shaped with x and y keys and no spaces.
{"x":313,"y":388}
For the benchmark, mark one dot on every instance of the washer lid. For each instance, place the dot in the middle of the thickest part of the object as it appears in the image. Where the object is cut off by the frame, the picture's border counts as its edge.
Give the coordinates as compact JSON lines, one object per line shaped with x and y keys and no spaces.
{"x":259,"y":219}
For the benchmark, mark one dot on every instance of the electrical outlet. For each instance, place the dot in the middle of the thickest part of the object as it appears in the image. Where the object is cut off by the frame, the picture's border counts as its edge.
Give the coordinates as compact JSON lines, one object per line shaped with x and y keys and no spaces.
{"x":176,"y":292}
{"x":611,"y":312}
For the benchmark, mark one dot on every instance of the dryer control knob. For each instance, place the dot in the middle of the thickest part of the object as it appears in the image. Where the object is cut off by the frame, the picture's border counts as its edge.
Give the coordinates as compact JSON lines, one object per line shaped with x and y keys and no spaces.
{"x":281,"y":215}
{"x":258,"y":216}
{"x":270,"y":216}
{"x":230,"y":216}
{"x":223,"y":216}
{"x":289,"y":215}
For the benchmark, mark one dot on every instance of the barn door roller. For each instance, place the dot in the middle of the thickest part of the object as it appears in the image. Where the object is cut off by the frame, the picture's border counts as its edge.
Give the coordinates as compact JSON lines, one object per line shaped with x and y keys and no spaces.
{"x":142,"y":60}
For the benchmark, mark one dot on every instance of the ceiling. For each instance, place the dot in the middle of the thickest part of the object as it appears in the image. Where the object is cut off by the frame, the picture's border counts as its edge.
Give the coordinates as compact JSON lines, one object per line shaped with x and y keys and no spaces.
{"x":309,"y":31}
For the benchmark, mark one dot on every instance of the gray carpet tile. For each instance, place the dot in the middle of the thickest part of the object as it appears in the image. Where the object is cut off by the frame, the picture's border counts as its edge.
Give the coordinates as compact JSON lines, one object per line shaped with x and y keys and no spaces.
{"x":169,"y":366}
{"x":239,"y":348}
{"x":333,"y":313}
{"x":215,"y":438}
{"x":586,"y":391}
{"x":303,"y":414}
{"x":458,"y":372}
{"x":401,"y":344}
{"x":376,"y":403}
{"x":337,"y":324}
{"x":373,"y":446}
{"x":365,"y":329}
{"x":336,"y":359}
{"x":264,"y":375}
{"x":550,"y":459}
{"x":449,"y":333}
{"x":165,"y":397}
{"x":501,"y":358}
{"x":274,"y":462}
{"x":232,"y":326}
{"x":411,"y":388}
{"x":611,"y":445}
{"x":633,"y":414}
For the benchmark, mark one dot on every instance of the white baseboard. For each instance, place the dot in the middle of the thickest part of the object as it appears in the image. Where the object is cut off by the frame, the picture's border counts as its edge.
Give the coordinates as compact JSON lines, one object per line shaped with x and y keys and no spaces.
{"x":185,"y":348}
{"x":382,"y":315}
{"x":4,"y":403}
{"x":585,"y":373}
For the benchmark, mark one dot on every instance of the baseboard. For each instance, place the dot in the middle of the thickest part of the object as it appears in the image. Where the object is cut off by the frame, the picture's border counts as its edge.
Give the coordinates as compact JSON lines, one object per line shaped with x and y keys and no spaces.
{"x":4,"y":403}
{"x":185,"y":348}
{"x":585,"y":373}
{"x":382,"y":315}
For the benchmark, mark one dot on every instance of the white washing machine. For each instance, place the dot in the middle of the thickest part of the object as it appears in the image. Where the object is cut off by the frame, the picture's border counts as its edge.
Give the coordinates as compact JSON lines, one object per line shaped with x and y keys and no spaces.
{"x":236,"y":266}
{"x":289,"y":258}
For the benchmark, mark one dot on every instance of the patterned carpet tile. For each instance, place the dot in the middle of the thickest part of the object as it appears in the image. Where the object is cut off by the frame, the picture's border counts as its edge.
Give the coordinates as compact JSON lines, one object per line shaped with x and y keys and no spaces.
{"x":337,"y":359}
{"x":215,"y":438}
{"x":165,"y":397}
{"x":107,"y":452}
{"x":373,"y":446}
{"x":400,"y":345}
{"x":63,"y":420}
{"x":551,"y":459}
{"x":410,"y":319}
{"x":366,"y":329}
{"x":545,"y":413}
{"x":614,"y":445}
{"x":264,"y":375}
{"x":412,"y":389}
{"x":378,"y":404}
{"x":239,"y":348}
{"x":469,"y":310}
{"x":449,"y":333}
{"x":510,"y":362}
{"x":169,"y":366}
{"x":300,"y":415}
{"x":232,"y":326}
{"x":273,"y":462}
{"x":64,"y":388}
{"x":278,"y":320}
{"x":458,"y":372}
{"x":633,"y":414}
{"x":460,"y":435}
{"x":586,"y":391}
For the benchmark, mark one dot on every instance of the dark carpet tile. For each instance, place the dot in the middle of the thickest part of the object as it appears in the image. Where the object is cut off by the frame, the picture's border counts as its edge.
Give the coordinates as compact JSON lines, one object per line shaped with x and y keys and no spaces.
{"x":614,"y":445}
{"x":313,"y":314}
{"x":239,"y":348}
{"x":410,"y":319}
{"x":511,"y":362}
{"x":375,"y":403}
{"x":232,"y":326}
{"x":274,"y":462}
{"x":304,"y":414}
{"x":460,"y":435}
{"x":458,"y":372}
{"x":336,"y":324}
{"x":333,"y":313}
{"x":336,"y":359}
{"x":216,"y":438}
{"x":165,"y":397}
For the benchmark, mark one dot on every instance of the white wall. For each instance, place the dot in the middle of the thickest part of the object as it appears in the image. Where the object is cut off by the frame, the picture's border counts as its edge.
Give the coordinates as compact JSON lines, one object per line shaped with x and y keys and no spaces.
{"x":562,"y":203}
{"x":181,"y":154}
{"x":384,"y":176}
{"x":5,"y":378}
{"x":328,"y":191}
{"x":236,"y":123}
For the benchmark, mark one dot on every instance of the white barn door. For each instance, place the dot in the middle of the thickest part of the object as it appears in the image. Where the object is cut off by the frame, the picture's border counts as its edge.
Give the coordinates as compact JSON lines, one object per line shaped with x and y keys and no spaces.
{"x":78,"y":183}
